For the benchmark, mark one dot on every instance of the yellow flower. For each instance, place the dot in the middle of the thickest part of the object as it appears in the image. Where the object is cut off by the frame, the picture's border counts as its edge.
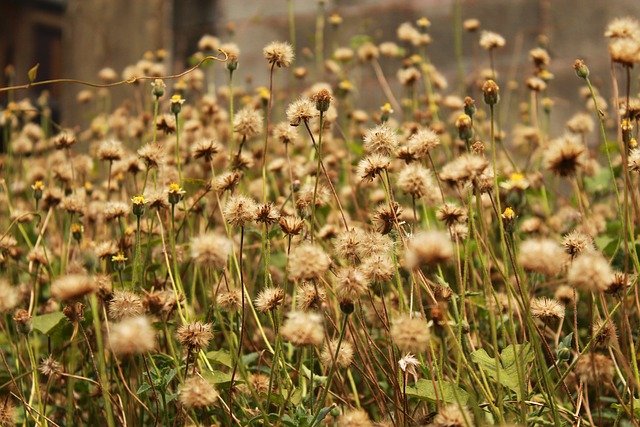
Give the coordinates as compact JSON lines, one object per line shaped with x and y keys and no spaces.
{"x":508,"y":214}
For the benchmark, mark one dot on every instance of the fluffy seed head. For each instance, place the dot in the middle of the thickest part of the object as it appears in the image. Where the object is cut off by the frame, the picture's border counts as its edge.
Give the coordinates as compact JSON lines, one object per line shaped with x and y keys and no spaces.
{"x":72,"y":286}
{"x":230,"y":301}
{"x":428,"y":248}
{"x":351,"y":284}
{"x":269,"y":299}
{"x":411,"y":335}
{"x":372,"y":166}
{"x":604,"y":333}
{"x":308,"y":262}
{"x":416,"y":181}
{"x":543,"y":256}
{"x":248,"y":122}
{"x":594,"y":369}
{"x":125,"y":304}
{"x":422,"y":141}
{"x":240,"y":210}
{"x":10,"y":296}
{"x":210,"y":249}
{"x":490,"y":40}
{"x":345,"y":354}
{"x":382,"y":140}
{"x":301,"y":111}
{"x":453,"y":415}
{"x":132,"y":336}
{"x":279,"y":54}
{"x":195,"y":335}
{"x":196,"y":392}
{"x":110,"y":150}
{"x":564,"y":156}
{"x":303,"y":328}
{"x":310,"y":296}
{"x":577,"y":242}
{"x":547,"y":309}
{"x":590,"y":272}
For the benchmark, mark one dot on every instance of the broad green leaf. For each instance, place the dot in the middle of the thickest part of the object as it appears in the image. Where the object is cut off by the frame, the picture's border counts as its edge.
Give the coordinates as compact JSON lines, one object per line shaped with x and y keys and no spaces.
{"x":47,"y":323}
{"x":143,"y":388}
{"x":323,"y":413}
{"x":446,"y":391}
{"x":505,"y":371}
{"x":636,"y":407}
{"x":217,"y":377}
{"x":220,"y":357}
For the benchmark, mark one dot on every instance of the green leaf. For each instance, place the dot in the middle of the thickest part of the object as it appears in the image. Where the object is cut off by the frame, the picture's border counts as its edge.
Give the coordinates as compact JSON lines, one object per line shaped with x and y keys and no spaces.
{"x":143,"y":388}
{"x":47,"y":323}
{"x":217,"y":377}
{"x":446,"y":391}
{"x":220,"y":357}
{"x":636,"y":407}
{"x":33,"y":72}
{"x":505,"y":371}
{"x":323,"y":413}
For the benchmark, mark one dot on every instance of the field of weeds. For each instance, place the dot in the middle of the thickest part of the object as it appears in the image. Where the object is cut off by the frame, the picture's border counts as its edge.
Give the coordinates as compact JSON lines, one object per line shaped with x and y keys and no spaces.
{"x":217,"y":255}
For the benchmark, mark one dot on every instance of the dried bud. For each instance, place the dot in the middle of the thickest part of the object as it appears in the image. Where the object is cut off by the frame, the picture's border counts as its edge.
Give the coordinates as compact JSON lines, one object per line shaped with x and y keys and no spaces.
{"x":491,"y":92}
{"x":323,"y":100}
{"x":23,"y":321}
{"x":581,"y":68}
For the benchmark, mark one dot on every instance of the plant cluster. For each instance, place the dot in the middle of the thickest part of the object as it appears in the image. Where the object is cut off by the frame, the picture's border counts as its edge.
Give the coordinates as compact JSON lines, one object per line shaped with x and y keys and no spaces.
{"x":214,"y":254}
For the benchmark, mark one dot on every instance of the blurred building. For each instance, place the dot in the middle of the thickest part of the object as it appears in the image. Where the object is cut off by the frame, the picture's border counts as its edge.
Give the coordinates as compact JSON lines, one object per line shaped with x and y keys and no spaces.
{"x":77,"y":38}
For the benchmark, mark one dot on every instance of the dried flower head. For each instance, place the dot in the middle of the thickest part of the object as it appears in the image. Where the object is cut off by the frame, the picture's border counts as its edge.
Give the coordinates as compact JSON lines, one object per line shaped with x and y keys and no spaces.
{"x":345,"y":354}
{"x":417,"y":181}
{"x":125,"y":304}
{"x":267,"y":214}
{"x":428,"y":248}
{"x":354,"y":418}
{"x":542,"y":255}
{"x":10,"y":296}
{"x":240,"y":210}
{"x":308,"y":262}
{"x":110,"y":150}
{"x":577,"y":242}
{"x":565,"y":295}
{"x":248,"y":122}
{"x":291,"y":225}
{"x":196,"y":392}
{"x":205,"y":148}
{"x":490,"y":40}
{"x":591,"y":272}
{"x":546,"y":309}
{"x":451,"y":214}
{"x":372,"y":166}
{"x":230,"y":300}
{"x":303,"y":328}
{"x":49,"y":367}
{"x":382,"y":140}
{"x":351,"y":284}
{"x":279,"y":54}
{"x":422,"y":141}
{"x":564,"y":156}
{"x":604,"y":333}
{"x":310,"y":296}
{"x":210,"y":249}
{"x":116,"y":209}
{"x":132,"y":336}
{"x":301,"y":111}
{"x":410,"y":334}
{"x":453,"y":415}
{"x":594,"y":369}
{"x":72,"y":286}
{"x":195,"y":335}
{"x":269,"y":299}
{"x":623,"y":28}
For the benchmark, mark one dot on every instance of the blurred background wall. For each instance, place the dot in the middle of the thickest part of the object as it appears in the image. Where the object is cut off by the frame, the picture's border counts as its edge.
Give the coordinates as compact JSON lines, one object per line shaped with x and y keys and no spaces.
{"x":77,"y":38}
